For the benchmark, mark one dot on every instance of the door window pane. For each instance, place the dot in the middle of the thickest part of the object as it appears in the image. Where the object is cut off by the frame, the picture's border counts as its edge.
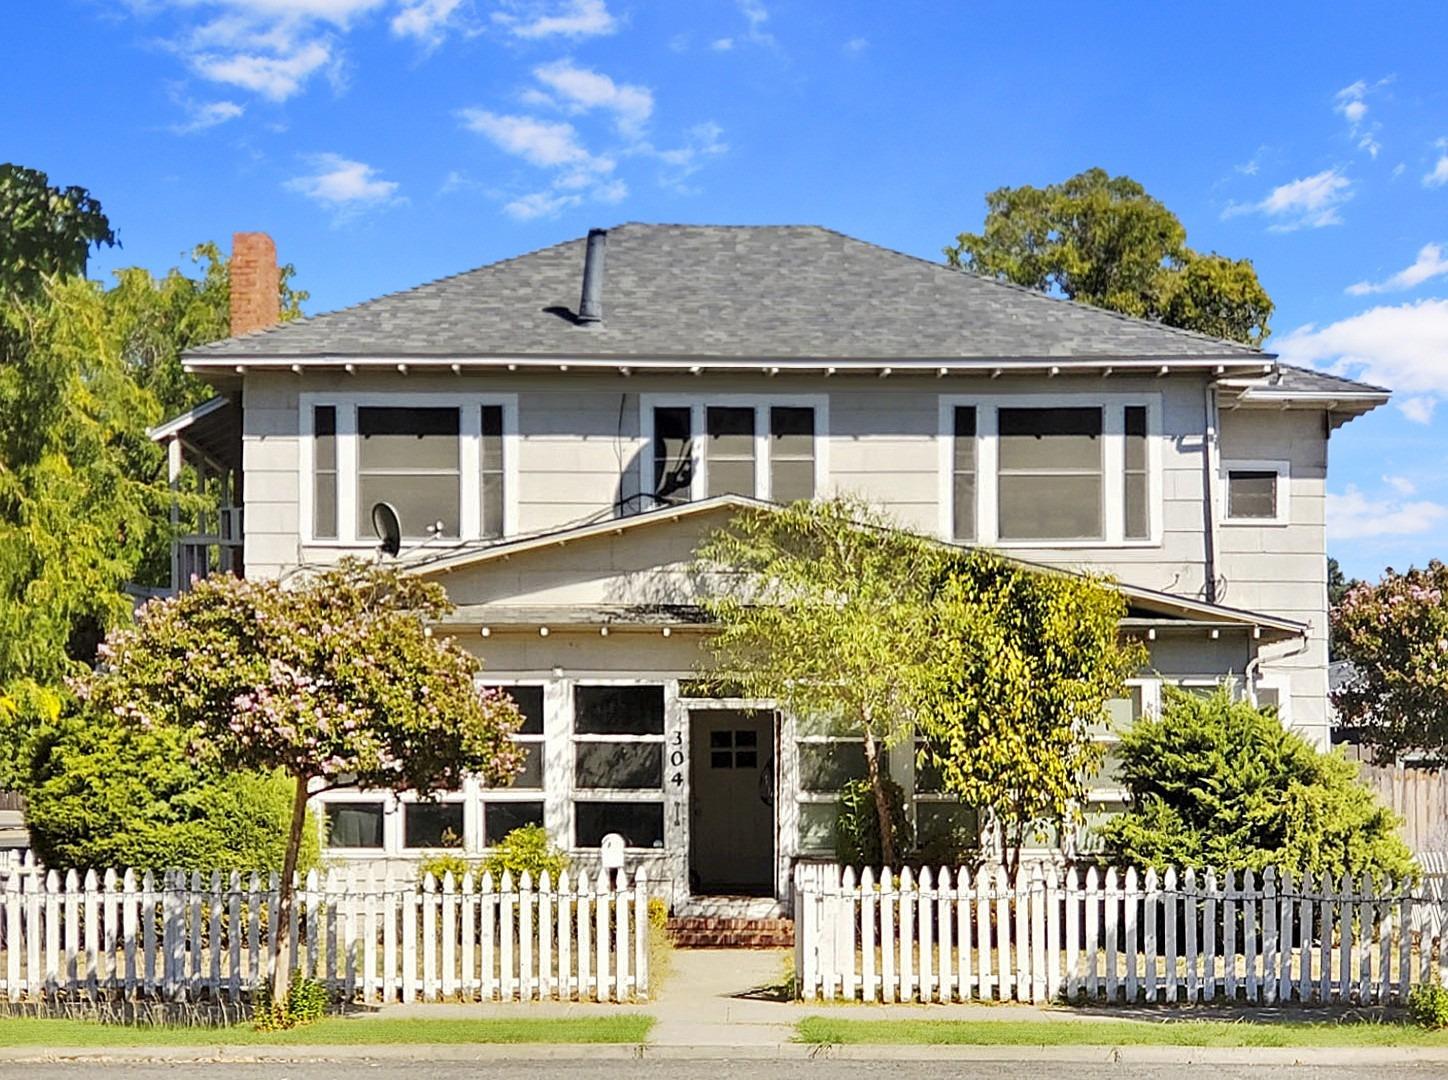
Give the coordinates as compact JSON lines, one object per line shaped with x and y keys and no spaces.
{"x":428,"y":825}
{"x":618,"y":710}
{"x":632,"y":765}
{"x":1137,"y":485}
{"x":354,"y":824}
{"x":1050,"y":475}
{"x":324,"y":472}
{"x":964,"y":473}
{"x":673,"y":454}
{"x":409,"y":457}
{"x":1252,"y":493}
{"x":730,"y":450}
{"x":501,"y":818}
{"x":640,"y":824}
{"x":791,"y":453}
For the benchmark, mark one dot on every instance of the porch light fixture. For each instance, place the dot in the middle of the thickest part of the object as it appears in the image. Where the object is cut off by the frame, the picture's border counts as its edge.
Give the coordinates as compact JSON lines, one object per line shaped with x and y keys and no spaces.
{"x":542,"y":631}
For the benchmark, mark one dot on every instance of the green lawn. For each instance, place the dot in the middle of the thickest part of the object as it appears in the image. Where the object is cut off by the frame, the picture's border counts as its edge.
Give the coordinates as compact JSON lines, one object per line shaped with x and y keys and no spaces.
{"x":820,"y":1029}
{"x":624,"y":1028}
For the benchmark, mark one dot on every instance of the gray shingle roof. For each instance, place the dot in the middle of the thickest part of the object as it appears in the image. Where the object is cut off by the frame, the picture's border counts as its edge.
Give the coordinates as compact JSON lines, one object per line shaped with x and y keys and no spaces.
{"x":1292,"y":379}
{"x":756,"y":292}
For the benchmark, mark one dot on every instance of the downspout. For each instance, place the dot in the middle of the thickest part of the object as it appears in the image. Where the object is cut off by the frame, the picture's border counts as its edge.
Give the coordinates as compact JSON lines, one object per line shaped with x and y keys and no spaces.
{"x":1209,"y":468}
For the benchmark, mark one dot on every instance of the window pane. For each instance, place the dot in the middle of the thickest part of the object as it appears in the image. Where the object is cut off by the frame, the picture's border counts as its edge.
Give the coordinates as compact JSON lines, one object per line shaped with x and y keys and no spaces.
{"x":731,"y":477}
{"x":324,"y":465}
{"x":437,"y":824}
{"x":632,"y":765}
{"x":1252,"y":493}
{"x":401,"y":439}
{"x":817,"y":826}
{"x":501,"y":818}
{"x":324,"y":428}
{"x":640,"y":824}
{"x":791,"y":431}
{"x":324,"y":507}
{"x":618,"y":710}
{"x":964,"y":473}
{"x":1137,"y":524}
{"x":532,"y":774}
{"x":927,"y":774}
{"x":354,"y":824}
{"x":529,"y":700}
{"x":949,"y":824}
{"x":420,"y":501}
{"x":730,"y":450}
{"x":965,"y":506}
{"x":1050,"y":507}
{"x":673,"y":464}
{"x":1050,"y":438}
{"x":829,"y":766}
{"x":1135,"y":425}
{"x":492,"y":470}
{"x":791,"y":481}
{"x":965,"y":438}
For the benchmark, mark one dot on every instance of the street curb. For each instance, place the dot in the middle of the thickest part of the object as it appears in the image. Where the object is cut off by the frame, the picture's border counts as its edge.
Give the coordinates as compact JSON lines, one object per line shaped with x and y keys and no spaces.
{"x":1340,"y":1056}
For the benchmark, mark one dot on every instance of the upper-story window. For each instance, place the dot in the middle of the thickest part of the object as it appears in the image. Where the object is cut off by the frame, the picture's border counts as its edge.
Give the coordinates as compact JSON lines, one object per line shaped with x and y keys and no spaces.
{"x":443,"y":461}
{"x":1255,"y":492}
{"x":761,"y":447}
{"x":1050,"y":470}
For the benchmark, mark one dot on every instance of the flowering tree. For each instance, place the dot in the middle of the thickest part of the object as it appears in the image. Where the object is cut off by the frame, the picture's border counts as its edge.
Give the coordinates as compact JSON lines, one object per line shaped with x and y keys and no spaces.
{"x":1395,"y":633}
{"x":336,"y":679}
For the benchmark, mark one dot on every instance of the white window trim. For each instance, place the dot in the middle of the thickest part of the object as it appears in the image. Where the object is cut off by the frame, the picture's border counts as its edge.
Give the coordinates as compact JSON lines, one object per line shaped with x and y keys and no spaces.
{"x":1283,"y":469}
{"x":511,"y":793}
{"x":1113,"y":463}
{"x":470,"y":464}
{"x":760,"y":403}
{"x":1280,"y":681}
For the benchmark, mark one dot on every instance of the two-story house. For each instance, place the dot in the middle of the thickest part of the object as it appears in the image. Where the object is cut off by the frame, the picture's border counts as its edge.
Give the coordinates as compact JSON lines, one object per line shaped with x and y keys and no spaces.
{"x":558,"y":430}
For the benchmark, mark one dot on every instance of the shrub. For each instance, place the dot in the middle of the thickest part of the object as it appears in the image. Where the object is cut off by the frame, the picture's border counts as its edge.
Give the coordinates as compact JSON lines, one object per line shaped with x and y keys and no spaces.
{"x":1216,"y":782}
{"x":1428,"y":1006}
{"x":305,"y":1003}
{"x":527,"y":848}
{"x":857,"y":828}
{"x":439,"y":866}
{"x":101,"y":794}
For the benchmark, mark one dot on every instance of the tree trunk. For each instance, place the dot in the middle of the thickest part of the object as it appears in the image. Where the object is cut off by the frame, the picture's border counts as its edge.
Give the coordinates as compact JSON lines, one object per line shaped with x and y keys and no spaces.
{"x":282,"y":951}
{"x":882,"y":801}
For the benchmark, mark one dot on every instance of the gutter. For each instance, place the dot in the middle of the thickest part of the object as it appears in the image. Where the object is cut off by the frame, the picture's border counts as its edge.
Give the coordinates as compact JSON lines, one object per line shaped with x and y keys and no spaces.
{"x":1209,"y":470}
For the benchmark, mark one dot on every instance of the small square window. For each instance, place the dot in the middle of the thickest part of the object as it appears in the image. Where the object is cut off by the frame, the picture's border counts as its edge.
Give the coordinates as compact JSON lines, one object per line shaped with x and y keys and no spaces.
{"x":721,"y":759}
{"x":1252,"y":494}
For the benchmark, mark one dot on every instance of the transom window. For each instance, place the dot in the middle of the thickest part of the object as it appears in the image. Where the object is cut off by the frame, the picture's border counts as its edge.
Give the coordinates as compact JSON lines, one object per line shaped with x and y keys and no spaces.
{"x":1256,"y":492}
{"x":443,"y":462}
{"x":766,"y":448}
{"x":1038,"y":470}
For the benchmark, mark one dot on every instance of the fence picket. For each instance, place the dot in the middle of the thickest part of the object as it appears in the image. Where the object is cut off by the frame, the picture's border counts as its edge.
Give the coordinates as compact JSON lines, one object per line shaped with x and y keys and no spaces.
{"x":869,"y":989}
{"x":1092,"y":943}
{"x":1209,"y":937}
{"x":889,"y":988}
{"x":601,"y":967}
{"x":1171,"y":906}
{"x":963,"y":913}
{"x":845,"y":932}
{"x":525,"y":936}
{"x":924,"y":895}
{"x":907,"y":936}
{"x":944,"y":905}
{"x":1131,"y":899}
{"x":983,"y":883}
{"x":1249,"y":935}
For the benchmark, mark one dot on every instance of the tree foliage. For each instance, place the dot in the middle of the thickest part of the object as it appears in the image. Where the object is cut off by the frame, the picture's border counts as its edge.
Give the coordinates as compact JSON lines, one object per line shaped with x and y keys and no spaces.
{"x":45,"y":231}
{"x":1104,"y":241}
{"x":1217,"y":783}
{"x":1024,"y":662}
{"x":822,"y":608}
{"x":335,"y":680}
{"x":1395,"y":634}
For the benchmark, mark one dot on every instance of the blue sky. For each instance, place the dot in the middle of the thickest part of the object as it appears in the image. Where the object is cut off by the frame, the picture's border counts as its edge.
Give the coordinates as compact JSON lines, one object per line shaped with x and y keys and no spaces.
{"x":387,"y":142}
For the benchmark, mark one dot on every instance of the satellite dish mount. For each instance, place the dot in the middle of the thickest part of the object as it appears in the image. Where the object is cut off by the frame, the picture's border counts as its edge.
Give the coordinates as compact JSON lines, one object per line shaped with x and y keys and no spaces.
{"x":388,"y":527}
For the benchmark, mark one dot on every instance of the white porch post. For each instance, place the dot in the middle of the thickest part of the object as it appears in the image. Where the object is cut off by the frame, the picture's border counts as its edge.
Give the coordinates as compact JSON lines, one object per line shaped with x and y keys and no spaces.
{"x":173,"y":477}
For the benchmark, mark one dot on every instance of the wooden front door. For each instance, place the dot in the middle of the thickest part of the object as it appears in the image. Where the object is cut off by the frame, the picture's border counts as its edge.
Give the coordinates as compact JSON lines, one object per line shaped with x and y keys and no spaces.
{"x":731,"y":805}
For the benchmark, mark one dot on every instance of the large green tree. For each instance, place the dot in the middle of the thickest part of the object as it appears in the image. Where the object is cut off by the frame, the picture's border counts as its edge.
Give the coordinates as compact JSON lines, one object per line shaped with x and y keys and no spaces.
{"x":1022,"y":665}
{"x":1217,"y":783}
{"x":45,"y":231}
{"x":1104,"y":241}
{"x":334,"y":679}
{"x":1395,"y":634}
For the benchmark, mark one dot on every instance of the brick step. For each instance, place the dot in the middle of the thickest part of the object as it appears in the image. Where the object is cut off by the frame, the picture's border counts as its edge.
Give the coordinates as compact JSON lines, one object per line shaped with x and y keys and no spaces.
{"x":716,"y":932}
{"x":720,"y":922}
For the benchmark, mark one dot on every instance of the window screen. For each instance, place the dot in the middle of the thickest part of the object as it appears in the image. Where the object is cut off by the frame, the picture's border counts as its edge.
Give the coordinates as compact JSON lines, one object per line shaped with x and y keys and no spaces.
{"x":673,"y":454}
{"x":791,"y":453}
{"x":409,"y":457}
{"x":829,"y":766}
{"x":1050,"y":474}
{"x":491,"y":471}
{"x":1137,"y":482}
{"x":501,"y":818}
{"x":640,"y":824}
{"x":729,"y":450}
{"x":963,"y":472}
{"x":324,"y":472}
{"x":1252,"y":493}
{"x":354,"y":824}
{"x":428,"y":825}
{"x":618,"y":710}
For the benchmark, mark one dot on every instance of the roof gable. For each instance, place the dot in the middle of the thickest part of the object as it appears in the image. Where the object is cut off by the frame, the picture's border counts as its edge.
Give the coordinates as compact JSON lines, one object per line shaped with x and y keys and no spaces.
{"x":785,"y":293}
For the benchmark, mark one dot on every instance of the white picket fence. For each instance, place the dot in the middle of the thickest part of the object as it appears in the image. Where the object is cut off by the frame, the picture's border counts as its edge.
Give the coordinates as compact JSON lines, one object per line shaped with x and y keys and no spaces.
{"x":1113,"y":937}
{"x":180,"y":937}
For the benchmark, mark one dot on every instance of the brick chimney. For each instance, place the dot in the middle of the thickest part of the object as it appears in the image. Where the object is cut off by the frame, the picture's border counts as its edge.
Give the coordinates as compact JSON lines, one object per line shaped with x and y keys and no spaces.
{"x":255,"y":286}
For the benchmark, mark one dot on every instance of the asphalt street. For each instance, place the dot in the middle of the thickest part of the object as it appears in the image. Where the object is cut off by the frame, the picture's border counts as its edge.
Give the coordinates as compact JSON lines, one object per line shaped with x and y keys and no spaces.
{"x":522,"y":1069}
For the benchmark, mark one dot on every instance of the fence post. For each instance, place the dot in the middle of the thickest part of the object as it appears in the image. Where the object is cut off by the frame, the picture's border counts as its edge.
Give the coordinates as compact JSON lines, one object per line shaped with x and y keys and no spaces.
{"x":828,"y":929}
{"x":806,"y":940}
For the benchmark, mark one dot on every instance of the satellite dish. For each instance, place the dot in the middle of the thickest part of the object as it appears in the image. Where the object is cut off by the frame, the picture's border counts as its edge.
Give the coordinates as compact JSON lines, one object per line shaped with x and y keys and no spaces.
{"x":388,"y":527}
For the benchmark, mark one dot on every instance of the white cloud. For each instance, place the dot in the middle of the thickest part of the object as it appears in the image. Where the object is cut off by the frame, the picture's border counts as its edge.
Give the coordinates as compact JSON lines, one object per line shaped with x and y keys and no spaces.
{"x":1418,"y":409}
{"x":548,"y":144}
{"x":1403,"y":346}
{"x":855,"y":46}
{"x":1401,"y":484}
{"x":576,"y":18}
{"x":343,"y":185}
{"x":1355,"y":516}
{"x":702,"y":141}
{"x":1310,"y":202}
{"x":426,"y":20}
{"x":582,"y":90}
{"x":1431,"y":263}
{"x":540,"y":204}
{"x":723,"y":44}
{"x":207,"y":114}
{"x":1351,"y":103}
{"x":1437,"y":176}
{"x":273,"y":77}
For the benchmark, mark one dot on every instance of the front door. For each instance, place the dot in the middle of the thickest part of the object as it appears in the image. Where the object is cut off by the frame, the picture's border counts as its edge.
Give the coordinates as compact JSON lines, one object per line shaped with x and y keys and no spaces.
{"x":731,"y":805}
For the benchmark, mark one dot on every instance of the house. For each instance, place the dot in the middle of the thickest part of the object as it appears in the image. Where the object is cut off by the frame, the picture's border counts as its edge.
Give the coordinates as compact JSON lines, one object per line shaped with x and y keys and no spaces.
{"x":558,"y":430}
